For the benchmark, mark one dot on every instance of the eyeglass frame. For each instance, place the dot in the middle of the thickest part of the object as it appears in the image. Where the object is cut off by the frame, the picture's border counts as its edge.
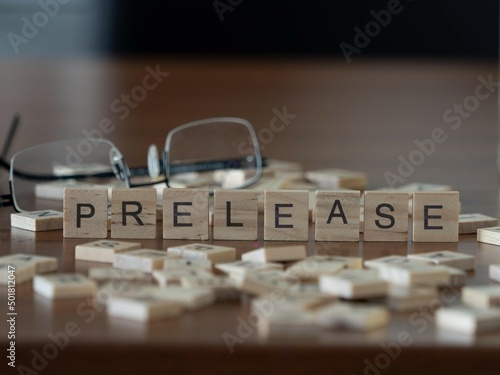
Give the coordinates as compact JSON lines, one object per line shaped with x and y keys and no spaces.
{"x":122,"y":172}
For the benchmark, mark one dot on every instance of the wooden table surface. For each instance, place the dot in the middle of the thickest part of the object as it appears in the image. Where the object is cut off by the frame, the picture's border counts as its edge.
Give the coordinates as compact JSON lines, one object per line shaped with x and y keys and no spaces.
{"x":361,"y":116}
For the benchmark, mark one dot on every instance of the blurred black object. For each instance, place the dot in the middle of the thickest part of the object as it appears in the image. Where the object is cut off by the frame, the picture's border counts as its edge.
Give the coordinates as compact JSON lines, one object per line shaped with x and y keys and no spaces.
{"x":432,"y":28}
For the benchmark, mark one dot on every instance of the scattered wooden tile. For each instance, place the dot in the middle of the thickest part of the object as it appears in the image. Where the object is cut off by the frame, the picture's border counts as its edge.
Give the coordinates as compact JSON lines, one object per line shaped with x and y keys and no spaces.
{"x":145,"y":260}
{"x":224,"y":288}
{"x":275,"y":254}
{"x":290,"y":302}
{"x":338,"y":178}
{"x":235,"y":215}
{"x":470,"y":223}
{"x":411,"y":274}
{"x":447,"y":258}
{"x":189,"y":263}
{"x":43,"y":264}
{"x":435,"y":216}
{"x":263,"y":282}
{"x":482,"y":296}
{"x":313,"y":267}
{"x":286,"y":215}
{"x":54,"y":190}
{"x":85,"y":212}
{"x":354,"y":284}
{"x":103,"y":250}
{"x":391,"y":259}
{"x":64,"y":286}
{"x":123,"y":287}
{"x":406,"y":299}
{"x":353,"y":317}
{"x":467,"y":320}
{"x":143,"y":308}
{"x":457,"y":277}
{"x":101,"y":274}
{"x":287,"y":322}
{"x":489,"y":235}
{"x":244,"y":266}
{"x":173,"y":277}
{"x":15,"y":270}
{"x":185,"y":214}
{"x":494,"y":272}
{"x":216,"y":254}
{"x":385,"y":216}
{"x":337,"y":216}
{"x":190,"y":298}
{"x":37,"y":221}
{"x":133,"y":213}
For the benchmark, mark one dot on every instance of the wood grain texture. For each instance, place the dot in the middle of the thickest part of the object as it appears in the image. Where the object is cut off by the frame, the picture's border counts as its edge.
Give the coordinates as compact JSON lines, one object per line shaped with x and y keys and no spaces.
{"x":37,"y":221}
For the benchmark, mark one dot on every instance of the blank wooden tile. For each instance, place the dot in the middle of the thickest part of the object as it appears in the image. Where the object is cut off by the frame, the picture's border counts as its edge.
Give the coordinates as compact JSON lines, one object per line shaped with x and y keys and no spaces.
{"x":482,"y":296}
{"x":101,"y":274}
{"x":169,"y":277}
{"x":244,"y":266}
{"x":276,"y":254}
{"x":494,"y":272}
{"x":133,"y":213}
{"x":123,"y":287}
{"x":405,"y":299}
{"x":64,"y":286}
{"x":235,"y":215}
{"x":185,"y":214}
{"x":447,"y":258}
{"x":103,"y":250}
{"x":262,"y":282}
{"x":470,"y":223}
{"x":391,"y":259}
{"x":216,"y":254}
{"x":489,"y":235}
{"x":143,"y":308}
{"x":386,"y":216}
{"x":338,"y":178}
{"x":23,"y":271}
{"x":37,"y":221}
{"x":353,"y":317}
{"x":337,"y":216}
{"x":354,"y":284}
{"x":145,"y":260}
{"x":290,"y":302}
{"x":286,"y":215}
{"x":85,"y":213}
{"x":435,"y":216}
{"x":467,"y":320}
{"x":287,"y":322}
{"x":43,"y":264}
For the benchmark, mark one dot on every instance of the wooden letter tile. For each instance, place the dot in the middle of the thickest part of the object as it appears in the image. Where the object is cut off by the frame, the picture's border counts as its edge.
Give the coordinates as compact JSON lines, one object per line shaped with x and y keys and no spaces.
{"x":143,"y":307}
{"x":337,"y":216}
{"x":235,"y":215}
{"x":145,"y":260}
{"x":85,"y":213}
{"x":484,"y":296}
{"x":23,"y":271}
{"x":43,"y":264}
{"x":37,"y":221}
{"x":185,"y":214}
{"x":354,"y":284}
{"x":435,"y":216}
{"x":494,"y":272}
{"x":103,"y":250}
{"x":286,"y":215}
{"x":386,"y":216}
{"x":276,"y":254}
{"x":133,"y":213}
{"x":467,"y":320}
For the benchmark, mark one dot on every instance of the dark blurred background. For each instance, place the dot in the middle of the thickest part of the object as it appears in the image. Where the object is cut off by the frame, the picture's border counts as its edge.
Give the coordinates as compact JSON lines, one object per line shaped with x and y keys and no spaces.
{"x":432,"y":28}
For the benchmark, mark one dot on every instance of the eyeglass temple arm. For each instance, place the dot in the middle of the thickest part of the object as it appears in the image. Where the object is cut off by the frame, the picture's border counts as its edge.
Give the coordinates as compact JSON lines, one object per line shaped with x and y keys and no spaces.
{"x":212,"y":166}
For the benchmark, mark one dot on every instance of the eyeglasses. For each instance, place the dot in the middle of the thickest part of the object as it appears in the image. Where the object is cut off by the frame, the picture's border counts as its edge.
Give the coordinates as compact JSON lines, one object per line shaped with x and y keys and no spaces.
{"x":220,"y":152}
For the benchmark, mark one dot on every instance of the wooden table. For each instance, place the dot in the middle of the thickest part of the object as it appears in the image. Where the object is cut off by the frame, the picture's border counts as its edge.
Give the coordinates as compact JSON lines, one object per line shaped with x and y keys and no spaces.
{"x":361,"y":116}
